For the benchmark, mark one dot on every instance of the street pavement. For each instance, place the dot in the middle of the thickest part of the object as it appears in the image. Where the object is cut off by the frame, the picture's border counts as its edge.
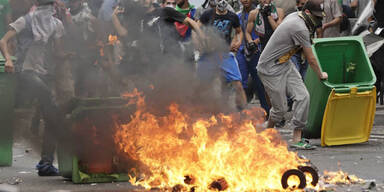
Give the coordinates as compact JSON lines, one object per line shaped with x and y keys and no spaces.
{"x":364,"y":160}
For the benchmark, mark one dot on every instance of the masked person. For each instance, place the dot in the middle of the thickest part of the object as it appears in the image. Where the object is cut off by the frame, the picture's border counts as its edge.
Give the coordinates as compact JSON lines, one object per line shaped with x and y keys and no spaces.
{"x":264,"y":19}
{"x":207,"y":5}
{"x":184,"y":7}
{"x":300,"y":4}
{"x":279,"y":75}
{"x":223,"y":22}
{"x":35,"y":30}
{"x":169,"y":3}
{"x":248,"y":59}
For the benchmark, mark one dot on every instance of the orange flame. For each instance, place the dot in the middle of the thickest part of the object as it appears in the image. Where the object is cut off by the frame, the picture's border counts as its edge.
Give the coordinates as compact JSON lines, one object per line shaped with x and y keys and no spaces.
{"x":205,"y":148}
{"x":341,"y":177}
{"x":112,"y":39}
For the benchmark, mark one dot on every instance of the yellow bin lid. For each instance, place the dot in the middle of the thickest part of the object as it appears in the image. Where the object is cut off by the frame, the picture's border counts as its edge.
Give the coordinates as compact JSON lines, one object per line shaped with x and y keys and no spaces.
{"x":348,"y":117}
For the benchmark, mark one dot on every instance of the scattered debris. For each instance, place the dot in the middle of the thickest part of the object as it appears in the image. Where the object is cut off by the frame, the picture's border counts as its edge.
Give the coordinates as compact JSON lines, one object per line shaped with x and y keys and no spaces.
{"x":370,"y":185}
{"x":340,"y":178}
{"x":15,"y":181}
{"x":93,"y":184}
{"x":190,"y":180}
{"x":219,"y":184}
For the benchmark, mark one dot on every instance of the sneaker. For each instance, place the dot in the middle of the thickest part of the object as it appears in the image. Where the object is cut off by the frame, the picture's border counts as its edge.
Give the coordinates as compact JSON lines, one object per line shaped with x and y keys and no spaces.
{"x":46,"y":169}
{"x":303,"y":144}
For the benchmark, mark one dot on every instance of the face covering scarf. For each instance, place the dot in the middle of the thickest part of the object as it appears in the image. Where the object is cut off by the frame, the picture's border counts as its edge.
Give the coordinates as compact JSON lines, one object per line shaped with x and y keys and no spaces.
{"x":43,"y":23}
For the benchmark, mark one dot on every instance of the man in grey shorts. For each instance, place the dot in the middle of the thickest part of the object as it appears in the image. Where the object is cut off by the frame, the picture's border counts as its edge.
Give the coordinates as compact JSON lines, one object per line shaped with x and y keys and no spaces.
{"x":279,"y":75}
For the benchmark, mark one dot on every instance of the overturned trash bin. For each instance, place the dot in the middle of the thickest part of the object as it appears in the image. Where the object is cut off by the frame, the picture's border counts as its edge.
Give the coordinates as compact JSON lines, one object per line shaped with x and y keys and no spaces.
{"x":342,"y":108}
{"x":7,"y":96}
{"x":87,"y":152}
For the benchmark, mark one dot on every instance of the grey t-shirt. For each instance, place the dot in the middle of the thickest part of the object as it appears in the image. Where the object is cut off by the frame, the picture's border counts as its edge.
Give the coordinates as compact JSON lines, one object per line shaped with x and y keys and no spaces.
{"x":34,"y":52}
{"x":332,"y":9}
{"x":291,"y":34}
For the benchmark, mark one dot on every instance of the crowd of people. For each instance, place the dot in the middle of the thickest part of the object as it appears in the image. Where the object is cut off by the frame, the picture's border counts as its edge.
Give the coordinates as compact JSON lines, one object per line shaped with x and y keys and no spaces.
{"x":63,"y":49}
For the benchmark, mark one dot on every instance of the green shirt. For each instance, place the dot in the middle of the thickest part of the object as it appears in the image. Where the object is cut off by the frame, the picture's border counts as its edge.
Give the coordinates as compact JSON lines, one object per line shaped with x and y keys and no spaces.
{"x":4,"y":11}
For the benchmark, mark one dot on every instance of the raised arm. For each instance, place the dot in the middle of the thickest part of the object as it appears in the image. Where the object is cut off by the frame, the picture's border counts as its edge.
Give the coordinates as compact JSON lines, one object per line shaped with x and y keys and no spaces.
{"x":116,"y":22}
{"x":275,"y":24}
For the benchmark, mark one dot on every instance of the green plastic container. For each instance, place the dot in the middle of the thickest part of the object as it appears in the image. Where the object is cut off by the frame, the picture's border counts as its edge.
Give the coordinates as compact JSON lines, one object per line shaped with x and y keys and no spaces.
{"x":97,"y":113}
{"x":7,"y":89}
{"x":347,"y":64}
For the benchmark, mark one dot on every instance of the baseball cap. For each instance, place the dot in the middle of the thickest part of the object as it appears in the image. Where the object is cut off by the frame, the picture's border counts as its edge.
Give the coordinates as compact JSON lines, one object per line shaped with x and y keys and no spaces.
{"x":316,"y":7}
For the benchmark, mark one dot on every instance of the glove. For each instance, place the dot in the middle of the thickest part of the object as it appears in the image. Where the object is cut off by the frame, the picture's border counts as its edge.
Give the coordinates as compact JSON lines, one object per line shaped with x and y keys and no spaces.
{"x":251,"y":47}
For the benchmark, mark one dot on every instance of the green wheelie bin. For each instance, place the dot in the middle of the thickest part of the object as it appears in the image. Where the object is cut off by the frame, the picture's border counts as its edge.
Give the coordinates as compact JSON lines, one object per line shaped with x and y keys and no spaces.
{"x":88,"y":155}
{"x":7,"y":89}
{"x":348,"y":67}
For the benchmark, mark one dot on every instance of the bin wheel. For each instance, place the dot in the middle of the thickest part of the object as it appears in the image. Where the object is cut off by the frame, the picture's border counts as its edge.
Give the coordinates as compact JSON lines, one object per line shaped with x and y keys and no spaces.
{"x":312,"y":171}
{"x":291,"y":172}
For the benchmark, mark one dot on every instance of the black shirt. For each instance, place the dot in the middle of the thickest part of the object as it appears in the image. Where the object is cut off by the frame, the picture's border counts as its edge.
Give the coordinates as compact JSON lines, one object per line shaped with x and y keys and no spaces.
{"x":268,"y":33}
{"x":379,"y":12}
{"x":224,"y":24}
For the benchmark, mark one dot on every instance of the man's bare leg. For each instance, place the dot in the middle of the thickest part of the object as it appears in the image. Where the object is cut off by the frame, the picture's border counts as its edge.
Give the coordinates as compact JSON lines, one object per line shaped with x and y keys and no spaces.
{"x":297,"y":135}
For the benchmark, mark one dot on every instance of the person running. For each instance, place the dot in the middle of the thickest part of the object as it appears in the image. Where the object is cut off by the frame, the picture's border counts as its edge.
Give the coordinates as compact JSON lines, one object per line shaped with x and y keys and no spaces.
{"x":36,"y":29}
{"x":223,"y":23}
{"x":280,"y":76}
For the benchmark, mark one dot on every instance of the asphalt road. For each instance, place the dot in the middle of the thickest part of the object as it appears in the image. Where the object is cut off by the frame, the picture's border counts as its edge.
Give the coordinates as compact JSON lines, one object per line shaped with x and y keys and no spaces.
{"x":363,"y":160}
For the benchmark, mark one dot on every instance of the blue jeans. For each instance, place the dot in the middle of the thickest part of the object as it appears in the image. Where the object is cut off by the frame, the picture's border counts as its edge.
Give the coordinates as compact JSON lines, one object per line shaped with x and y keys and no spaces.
{"x":301,"y":65}
{"x":249,"y":68}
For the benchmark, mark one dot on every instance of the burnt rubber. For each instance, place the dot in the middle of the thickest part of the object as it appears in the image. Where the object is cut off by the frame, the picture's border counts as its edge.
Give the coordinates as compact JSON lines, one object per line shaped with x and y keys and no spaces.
{"x":313,"y":172}
{"x":291,"y":172}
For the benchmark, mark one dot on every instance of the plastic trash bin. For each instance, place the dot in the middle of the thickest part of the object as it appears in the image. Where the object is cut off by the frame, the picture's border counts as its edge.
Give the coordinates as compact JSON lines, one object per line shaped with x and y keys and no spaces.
{"x":90,"y":156}
{"x":7,"y":89}
{"x":348,"y":117}
{"x":347,"y":64}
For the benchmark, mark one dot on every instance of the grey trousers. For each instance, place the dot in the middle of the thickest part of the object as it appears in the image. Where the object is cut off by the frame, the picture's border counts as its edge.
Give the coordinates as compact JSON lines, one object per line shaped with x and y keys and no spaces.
{"x":283,"y":86}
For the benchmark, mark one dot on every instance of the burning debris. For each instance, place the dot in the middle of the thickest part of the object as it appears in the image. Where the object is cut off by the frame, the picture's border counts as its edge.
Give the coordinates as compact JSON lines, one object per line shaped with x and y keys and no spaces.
{"x":219,"y":185}
{"x":184,"y":151}
{"x":340,"y":178}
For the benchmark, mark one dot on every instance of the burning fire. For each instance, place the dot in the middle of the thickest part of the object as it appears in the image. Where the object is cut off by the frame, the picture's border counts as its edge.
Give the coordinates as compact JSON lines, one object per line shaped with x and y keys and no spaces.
{"x":341,"y":177}
{"x":184,"y":151}
{"x":112,"y":39}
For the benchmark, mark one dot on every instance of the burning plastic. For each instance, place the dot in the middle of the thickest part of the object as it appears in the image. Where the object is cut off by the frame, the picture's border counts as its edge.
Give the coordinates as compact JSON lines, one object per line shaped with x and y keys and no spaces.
{"x":180,"y":146}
